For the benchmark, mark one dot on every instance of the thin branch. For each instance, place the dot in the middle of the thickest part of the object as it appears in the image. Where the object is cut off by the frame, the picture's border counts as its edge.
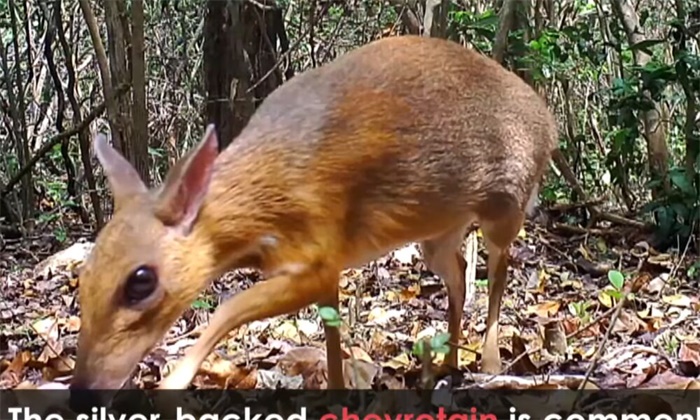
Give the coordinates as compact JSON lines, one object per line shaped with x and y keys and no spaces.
{"x":57,"y":139}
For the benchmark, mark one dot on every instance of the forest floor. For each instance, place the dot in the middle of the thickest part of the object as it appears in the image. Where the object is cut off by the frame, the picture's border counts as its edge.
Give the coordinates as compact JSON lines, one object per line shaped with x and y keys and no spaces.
{"x":557,"y":316}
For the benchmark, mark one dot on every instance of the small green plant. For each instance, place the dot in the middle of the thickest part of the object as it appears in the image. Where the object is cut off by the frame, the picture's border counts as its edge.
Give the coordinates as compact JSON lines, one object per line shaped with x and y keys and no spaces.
{"x":202,"y":304}
{"x":580,"y":310}
{"x":669,"y":342}
{"x":330,"y":316}
{"x":438,"y":344}
{"x":694,"y":270}
{"x":60,"y":234}
{"x":617,"y":281}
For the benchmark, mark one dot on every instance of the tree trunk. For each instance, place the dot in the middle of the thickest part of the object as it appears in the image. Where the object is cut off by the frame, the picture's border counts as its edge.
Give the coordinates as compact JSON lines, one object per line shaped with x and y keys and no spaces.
{"x":118,"y":51}
{"x":240,"y":62}
{"x":139,"y":139}
{"x":654,"y":127}
{"x":226,"y":74}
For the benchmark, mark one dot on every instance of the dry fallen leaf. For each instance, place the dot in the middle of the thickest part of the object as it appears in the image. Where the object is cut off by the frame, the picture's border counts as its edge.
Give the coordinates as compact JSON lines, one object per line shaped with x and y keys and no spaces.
{"x":544,"y":309}
{"x":288,"y":331}
{"x":380,"y":316}
{"x":359,"y":354}
{"x":678,"y":300}
{"x":11,"y":376}
{"x":47,"y":328}
{"x":365,"y":373}
{"x":399,"y":362}
{"x":309,"y":362}
{"x":555,"y":338}
{"x":468,"y":353}
{"x":524,"y":365}
{"x":689,"y":358}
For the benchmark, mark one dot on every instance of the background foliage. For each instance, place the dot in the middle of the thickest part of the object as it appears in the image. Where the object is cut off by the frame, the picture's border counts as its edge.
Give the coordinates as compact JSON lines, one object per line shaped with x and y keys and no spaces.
{"x":623,"y":78}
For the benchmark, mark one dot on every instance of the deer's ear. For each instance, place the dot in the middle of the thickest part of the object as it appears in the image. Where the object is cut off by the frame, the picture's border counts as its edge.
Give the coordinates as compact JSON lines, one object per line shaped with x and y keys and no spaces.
{"x":124,"y":181}
{"x":182,"y":194}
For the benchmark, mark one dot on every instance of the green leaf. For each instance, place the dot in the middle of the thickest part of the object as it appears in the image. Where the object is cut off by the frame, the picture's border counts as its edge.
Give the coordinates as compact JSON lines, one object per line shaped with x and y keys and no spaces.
{"x":329,"y":315}
{"x":615,"y":294}
{"x":679,"y":180}
{"x":201,"y":304}
{"x":616,"y":279}
{"x":439,"y":340}
{"x":442,"y":349}
{"x":418,"y":348}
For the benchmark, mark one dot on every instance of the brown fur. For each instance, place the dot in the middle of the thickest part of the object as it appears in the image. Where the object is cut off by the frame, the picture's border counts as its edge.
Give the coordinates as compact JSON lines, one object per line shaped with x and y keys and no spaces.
{"x":405,"y":139}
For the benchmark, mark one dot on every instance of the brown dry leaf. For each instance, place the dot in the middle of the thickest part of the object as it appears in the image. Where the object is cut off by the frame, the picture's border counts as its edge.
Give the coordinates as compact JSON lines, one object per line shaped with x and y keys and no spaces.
{"x":302,"y":361}
{"x":47,"y":328}
{"x":52,"y":349}
{"x":648,"y":372}
{"x":640,"y":282}
{"x":365,"y":373}
{"x":555,"y":338}
{"x":12,"y":375}
{"x":399,"y":362}
{"x":545,"y":309}
{"x":224,"y":373}
{"x":240,"y":378}
{"x":248,"y":382}
{"x":689,"y":358}
{"x":50,"y":373}
{"x":215,"y":365}
{"x":679,"y":300}
{"x":670,"y":380}
{"x":62,"y":366}
{"x":382,"y":342}
{"x":411,"y":292}
{"x":359,"y":354}
{"x":27,"y":385}
{"x":628,"y":323}
{"x":524,"y":365}
{"x":571,"y":325}
{"x":690,"y":352}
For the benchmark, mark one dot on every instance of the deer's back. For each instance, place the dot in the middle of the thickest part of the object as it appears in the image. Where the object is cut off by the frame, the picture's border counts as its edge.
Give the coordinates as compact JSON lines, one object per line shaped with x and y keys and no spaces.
{"x":400,"y":130}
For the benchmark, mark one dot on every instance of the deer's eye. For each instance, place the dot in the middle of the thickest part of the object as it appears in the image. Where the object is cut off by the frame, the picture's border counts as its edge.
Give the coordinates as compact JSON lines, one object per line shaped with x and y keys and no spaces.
{"x":140,"y":284}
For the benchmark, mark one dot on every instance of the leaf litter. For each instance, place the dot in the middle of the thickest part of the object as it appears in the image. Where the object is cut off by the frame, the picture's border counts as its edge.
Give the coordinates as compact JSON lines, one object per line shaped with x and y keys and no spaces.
{"x":563,"y":296}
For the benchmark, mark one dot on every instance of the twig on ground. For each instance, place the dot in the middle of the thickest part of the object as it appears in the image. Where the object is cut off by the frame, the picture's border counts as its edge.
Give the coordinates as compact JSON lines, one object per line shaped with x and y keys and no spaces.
{"x":592,"y":323}
{"x":599,"y":349}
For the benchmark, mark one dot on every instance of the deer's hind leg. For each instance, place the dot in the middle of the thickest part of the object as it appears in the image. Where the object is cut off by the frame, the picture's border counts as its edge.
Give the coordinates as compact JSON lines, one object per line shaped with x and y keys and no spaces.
{"x":442,"y":256}
{"x":499,"y":234}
